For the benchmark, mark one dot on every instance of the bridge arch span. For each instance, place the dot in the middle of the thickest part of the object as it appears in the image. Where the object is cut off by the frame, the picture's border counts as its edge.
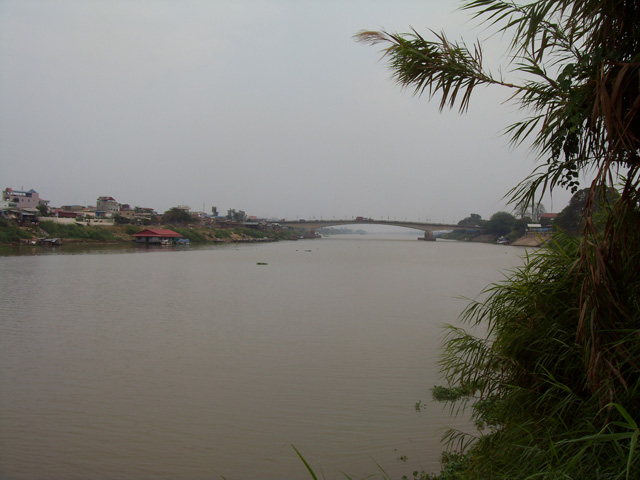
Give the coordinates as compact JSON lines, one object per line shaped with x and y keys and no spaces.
{"x":425,"y":227}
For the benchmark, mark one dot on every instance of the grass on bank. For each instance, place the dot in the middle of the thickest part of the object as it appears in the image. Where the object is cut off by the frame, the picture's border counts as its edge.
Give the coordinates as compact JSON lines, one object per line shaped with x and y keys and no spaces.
{"x":11,"y":233}
{"x":76,"y":231}
{"x":540,"y":408}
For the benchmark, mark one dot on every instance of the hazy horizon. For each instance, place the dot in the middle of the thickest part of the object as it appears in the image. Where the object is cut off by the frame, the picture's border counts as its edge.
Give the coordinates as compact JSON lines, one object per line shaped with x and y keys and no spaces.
{"x":268,"y":106}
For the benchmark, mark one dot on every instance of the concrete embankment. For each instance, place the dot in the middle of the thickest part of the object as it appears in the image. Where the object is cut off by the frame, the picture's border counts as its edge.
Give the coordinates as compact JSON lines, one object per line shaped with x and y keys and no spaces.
{"x":531,"y":241}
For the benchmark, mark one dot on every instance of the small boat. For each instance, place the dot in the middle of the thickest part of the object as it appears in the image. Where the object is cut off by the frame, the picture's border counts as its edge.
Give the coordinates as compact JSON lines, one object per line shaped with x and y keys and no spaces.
{"x":49,"y":241}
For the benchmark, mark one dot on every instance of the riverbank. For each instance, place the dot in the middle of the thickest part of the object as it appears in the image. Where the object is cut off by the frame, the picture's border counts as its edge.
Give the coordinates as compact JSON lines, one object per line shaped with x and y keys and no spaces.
{"x":524,"y":241}
{"x":14,"y":235}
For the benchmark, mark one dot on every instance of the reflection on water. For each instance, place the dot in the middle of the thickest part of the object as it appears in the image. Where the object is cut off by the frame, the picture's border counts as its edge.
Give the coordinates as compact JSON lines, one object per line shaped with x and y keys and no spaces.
{"x":88,"y":248}
{"x":199,"y":363}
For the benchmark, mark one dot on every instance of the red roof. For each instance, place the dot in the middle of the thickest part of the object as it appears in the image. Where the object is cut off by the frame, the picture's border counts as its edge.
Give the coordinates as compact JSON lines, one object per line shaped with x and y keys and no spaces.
{"x":157,"y":232}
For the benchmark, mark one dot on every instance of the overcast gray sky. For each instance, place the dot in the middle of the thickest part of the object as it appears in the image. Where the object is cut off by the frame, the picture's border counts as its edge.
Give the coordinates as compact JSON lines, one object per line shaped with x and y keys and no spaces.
{"x":265,"y":106}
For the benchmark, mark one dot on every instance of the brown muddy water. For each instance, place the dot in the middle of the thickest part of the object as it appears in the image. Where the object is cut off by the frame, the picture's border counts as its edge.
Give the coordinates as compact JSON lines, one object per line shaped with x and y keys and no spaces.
{"x":200,"y":363}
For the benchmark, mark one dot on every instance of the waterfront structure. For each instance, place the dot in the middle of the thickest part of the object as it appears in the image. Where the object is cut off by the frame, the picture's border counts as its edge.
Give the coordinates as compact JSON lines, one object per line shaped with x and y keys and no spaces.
{"x":536,"y":229}
{"x":157,"y":236}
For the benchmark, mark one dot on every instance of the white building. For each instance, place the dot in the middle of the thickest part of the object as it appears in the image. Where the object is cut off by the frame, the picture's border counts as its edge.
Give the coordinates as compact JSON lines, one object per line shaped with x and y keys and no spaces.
{"x":22,"y":199}
{"x":107,"y":206}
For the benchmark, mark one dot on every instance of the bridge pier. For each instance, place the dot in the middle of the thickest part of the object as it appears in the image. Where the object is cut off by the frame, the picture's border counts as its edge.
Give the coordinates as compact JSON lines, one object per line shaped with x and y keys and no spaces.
{"x":428,"y":237}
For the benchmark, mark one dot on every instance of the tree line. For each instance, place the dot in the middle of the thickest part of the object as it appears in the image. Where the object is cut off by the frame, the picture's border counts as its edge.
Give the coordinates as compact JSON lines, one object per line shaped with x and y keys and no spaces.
{"x":568,"y":221}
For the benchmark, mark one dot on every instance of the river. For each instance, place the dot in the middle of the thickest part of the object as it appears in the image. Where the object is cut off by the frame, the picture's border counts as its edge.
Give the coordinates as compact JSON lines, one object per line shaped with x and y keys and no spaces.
{"x":203,"y":363}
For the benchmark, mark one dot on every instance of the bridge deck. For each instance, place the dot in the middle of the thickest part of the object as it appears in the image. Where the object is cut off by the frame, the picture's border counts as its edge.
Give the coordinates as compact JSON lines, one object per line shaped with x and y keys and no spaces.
{"x":425,"y":227}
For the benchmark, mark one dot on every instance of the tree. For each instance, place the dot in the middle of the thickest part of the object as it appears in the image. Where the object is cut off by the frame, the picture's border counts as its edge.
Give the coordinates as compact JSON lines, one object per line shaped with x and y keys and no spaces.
{"x":43,"y":209}
{"x":238,"y":216}
{"x":579,"y":60}
{"x":121,"y":220}
{"x":569,"y":219}
{"x":473,"y":220}
{"x":520,"y":227}
{"x":555,"y":388}
{"x":177,"y":215}
{"x":500,"y":223}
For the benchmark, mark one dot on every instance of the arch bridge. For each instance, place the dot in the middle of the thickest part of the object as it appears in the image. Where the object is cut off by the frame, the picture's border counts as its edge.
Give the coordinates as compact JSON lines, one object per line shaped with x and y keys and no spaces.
{"x":428,"y":228}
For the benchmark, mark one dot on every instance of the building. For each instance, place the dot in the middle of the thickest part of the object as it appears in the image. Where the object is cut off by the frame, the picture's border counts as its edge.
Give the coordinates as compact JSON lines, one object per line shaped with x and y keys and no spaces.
{"x":130,"y":214}
{"x":66,"y":213}
{"x":22,"y":199}
{"x":157,"y":236}
{"x":138,"y":214}
{"x":146,"y":211}
{"x":537,"y":229}
{"x":106,"y":207}
{"x":73,"y":208}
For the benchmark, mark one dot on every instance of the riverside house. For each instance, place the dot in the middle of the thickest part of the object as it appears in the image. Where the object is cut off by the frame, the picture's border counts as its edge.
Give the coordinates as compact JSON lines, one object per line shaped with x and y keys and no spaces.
{"x":157,"y":236}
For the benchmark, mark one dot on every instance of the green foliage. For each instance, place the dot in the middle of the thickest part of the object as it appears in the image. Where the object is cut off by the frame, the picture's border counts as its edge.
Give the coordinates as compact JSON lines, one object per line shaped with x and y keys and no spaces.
{"x":284,"y":234}
{"x":520,"y":227}
{"x":384,"y":475}
{"x":500,"y":223}
{"x":449,"y":394}
{"x":132,"y":229}
{"x":121,"y":220}
{"x":151,"y":220}
{"x":76,"y":231}
{"x":222,"y":233}
{"x":458,"y":235}
{"x":11,"y":233}
{"x":237,"y":216}
{"x":453,"y":467}
{"x":536,"y":405}
{"x":570,"y":219}
{"x":306,"y":464}
{"x":194,"y":236}
{"x":43,"y":210}
{"x":250,"y":232}
{"x":574,"y":68}
{"x":473,"y":220}
{"x":177,"y":215}
{"x":556,"y":383}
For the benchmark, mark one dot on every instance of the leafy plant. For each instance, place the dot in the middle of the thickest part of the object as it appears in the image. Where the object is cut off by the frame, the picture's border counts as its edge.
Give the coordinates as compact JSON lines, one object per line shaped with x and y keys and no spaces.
{"x":534,"y":403}
{"x":555,"y":386}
